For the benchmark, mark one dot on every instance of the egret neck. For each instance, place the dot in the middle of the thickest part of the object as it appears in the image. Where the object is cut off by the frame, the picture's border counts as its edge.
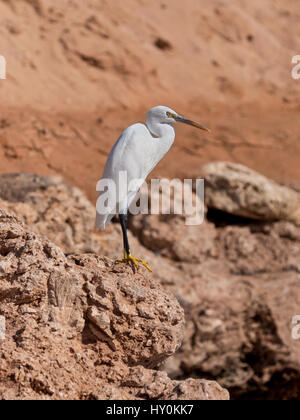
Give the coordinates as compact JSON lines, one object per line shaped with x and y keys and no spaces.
{"x":162,"y":131}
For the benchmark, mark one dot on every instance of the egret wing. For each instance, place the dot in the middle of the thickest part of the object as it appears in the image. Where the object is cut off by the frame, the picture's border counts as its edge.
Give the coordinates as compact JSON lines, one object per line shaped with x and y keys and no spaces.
{"x":127,"y":166}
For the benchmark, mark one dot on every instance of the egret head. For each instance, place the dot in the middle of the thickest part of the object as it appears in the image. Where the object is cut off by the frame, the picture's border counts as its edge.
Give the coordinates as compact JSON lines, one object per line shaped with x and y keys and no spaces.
{"x":165,"y":115}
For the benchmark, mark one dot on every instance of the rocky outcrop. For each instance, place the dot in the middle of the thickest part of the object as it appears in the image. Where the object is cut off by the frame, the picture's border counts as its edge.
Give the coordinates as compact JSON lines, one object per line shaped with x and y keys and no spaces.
{"x":239,"y":298}
{"x":239,"y":330}
{"x":260,"y":248}
{"x":51,"y":208}
{"x":237,"y":280}
{"x":169,"y":236}
{"x":83,"y":327}
{"x":152,"y":384}
{"x":238,"y":190}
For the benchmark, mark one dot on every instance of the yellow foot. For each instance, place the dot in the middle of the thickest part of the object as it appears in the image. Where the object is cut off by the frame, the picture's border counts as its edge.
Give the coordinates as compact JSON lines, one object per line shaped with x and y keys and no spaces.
{"x":128,"y":258}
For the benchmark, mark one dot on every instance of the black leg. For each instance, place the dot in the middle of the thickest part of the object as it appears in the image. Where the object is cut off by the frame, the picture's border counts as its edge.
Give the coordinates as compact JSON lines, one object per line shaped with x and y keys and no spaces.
{"x":128,"y":257}
{"x":123,"y":222}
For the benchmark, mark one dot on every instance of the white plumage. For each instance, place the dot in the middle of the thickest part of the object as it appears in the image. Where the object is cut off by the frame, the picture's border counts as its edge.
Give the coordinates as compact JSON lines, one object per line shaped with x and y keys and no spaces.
{"x":137,"y":151}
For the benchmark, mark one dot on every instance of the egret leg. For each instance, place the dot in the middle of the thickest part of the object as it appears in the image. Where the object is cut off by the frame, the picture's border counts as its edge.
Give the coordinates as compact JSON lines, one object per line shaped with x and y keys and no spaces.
{"x":128,"y":258}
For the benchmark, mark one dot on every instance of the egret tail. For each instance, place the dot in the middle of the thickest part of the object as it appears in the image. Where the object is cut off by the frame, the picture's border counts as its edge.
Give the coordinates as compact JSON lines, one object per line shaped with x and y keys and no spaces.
{"x":102,"y":220}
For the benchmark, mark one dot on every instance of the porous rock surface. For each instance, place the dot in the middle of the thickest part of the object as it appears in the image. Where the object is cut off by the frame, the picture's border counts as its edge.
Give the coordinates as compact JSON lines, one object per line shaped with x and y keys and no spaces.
{"x":239,"y":330}
{"x":236,"y":279}
{"x":240,"y":295}
{"x":170,"y":237}
{"x":238,"y":190}
{"x":51,"y":208}
{"x":82,"y":327}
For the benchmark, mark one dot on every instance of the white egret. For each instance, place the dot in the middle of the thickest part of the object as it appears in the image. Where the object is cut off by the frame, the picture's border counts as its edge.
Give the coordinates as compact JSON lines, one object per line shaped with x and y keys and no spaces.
{"x":137,"y":151}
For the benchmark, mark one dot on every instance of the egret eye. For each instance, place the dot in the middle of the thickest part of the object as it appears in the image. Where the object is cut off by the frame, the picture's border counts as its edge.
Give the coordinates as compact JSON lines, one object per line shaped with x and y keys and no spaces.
{"x":169,"y":114}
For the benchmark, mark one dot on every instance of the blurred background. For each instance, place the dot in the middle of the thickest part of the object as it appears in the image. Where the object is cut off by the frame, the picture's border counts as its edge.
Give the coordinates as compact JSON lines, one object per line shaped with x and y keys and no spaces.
{"x":78,"y":73}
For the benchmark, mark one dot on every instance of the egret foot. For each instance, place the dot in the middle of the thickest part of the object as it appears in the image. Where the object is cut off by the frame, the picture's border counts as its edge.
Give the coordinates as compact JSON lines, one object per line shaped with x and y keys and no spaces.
{"x":128,"y":258}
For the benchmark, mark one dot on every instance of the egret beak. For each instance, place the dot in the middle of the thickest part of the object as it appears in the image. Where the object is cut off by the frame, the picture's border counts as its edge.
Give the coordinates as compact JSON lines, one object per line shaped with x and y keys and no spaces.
{"x":181,"y":119}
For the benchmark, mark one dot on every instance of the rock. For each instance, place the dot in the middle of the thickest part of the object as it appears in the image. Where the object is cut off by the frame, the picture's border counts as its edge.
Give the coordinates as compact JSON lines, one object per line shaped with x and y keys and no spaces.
{"x":193,"y":389}
{"x":238,"y":304}
{"x":52,"y":208}
{"x":16,"y":187}
{"x":133,"y":315}
{"x":60,"y":212}
{"x":238,"y":285}
{"x":81,"y":327}
{"x":239,"y":331}
{"x":156,"y":385}
{"x":238,"y":190}
{"x":140,"y":383}
{"x":170,"y":237}
{"x":260,"y":248}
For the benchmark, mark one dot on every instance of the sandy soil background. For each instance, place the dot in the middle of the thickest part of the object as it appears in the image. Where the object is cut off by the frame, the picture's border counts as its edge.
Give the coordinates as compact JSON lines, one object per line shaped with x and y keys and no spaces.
{"x":78,"y":73}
